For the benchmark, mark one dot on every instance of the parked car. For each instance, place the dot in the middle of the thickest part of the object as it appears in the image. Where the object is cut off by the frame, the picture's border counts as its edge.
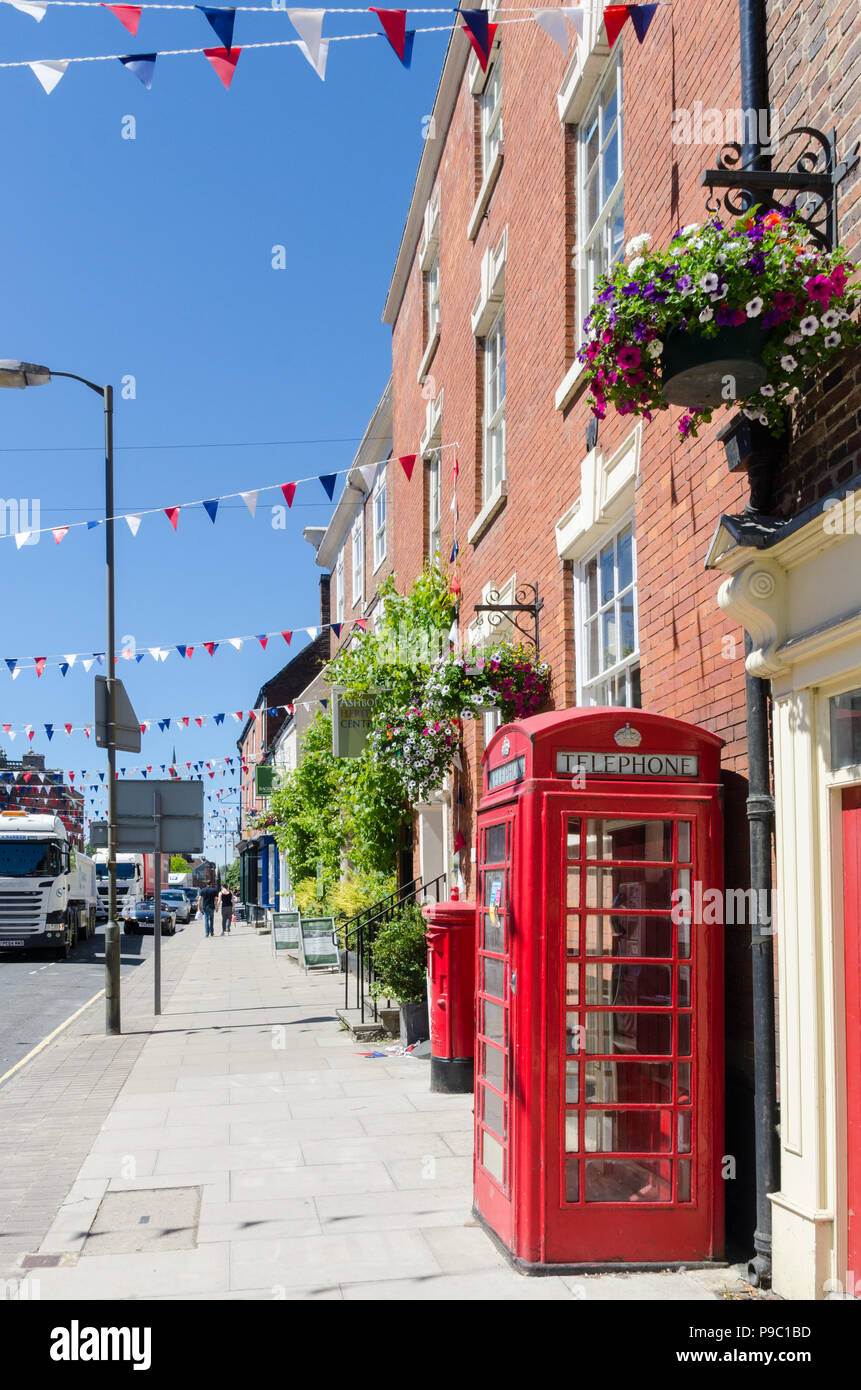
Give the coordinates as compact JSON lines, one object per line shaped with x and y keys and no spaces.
{"x":176,"y":900}
{"x":192,"y":894}
{"x":143,"y":919}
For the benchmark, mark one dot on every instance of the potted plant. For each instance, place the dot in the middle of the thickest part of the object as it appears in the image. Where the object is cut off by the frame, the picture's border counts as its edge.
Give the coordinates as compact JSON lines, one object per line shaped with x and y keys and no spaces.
{"x":400,"y":966}
{"x":729,"y":314}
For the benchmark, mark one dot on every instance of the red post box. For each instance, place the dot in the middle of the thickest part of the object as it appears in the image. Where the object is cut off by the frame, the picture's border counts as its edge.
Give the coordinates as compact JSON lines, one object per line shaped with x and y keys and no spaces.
{"x":599,"y":996}
{"x":451,"y":971}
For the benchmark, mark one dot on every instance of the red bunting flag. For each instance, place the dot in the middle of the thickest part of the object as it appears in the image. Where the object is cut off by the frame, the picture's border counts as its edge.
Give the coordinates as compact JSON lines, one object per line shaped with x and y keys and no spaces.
{"x":614,"y":20}
{"x":198,"y":721}
{"x":210,"y":647}
{"x":395,"y":24}
{"x":40,"y":664}
{"x":172,"y":514}
{"x":408,"y":463}
{"x":238,"y":713}
{"x":128,"y":15}
{"x":252,"y":715}
{"x":289,"y":490}
{"x":68,"y":728}
{"x":58,"y":533}
{"x":361,"y":624}
{"x":224,"y":61}
{"x":263,"y":640}
{"x":287,"y":636}
{"x":475,"y":28}
{"x":459,"y":842}
{"x":185,"y":719}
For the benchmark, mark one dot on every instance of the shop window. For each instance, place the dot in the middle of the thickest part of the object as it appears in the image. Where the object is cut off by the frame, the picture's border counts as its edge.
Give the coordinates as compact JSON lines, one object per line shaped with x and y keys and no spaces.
{"x":845,"y":730}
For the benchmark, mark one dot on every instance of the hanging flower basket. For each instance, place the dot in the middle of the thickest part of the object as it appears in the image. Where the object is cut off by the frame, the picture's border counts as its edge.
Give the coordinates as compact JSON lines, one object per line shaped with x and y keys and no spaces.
{"x":698,"y":372}
{"x":735,"y":315}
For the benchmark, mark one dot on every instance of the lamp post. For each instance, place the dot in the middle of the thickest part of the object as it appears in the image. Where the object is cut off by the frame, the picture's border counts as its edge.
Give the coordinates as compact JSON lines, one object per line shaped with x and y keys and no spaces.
{"x":19,"y":375}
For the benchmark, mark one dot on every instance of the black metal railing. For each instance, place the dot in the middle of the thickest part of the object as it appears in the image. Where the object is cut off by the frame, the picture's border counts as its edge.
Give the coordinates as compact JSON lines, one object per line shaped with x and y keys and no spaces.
{"x":362,"y":929}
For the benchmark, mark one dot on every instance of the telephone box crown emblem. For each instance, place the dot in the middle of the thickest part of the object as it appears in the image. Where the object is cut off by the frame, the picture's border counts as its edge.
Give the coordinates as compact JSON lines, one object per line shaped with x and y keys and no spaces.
{"x":628,"y":737}
{"x":505,"y":746}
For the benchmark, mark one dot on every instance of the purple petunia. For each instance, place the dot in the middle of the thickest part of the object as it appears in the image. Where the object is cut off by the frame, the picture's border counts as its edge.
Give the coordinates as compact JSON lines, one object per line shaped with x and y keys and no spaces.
{"x":684,"y":282}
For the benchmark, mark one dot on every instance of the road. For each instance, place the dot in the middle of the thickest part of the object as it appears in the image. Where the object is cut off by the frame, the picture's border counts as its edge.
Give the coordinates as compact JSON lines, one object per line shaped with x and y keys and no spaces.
{"x":37,"y":994}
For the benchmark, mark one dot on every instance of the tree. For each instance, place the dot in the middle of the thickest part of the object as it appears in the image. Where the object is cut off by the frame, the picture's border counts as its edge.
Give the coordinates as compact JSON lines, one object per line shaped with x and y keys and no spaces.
{"x":178,"y":865}
{"x":231,"y":876}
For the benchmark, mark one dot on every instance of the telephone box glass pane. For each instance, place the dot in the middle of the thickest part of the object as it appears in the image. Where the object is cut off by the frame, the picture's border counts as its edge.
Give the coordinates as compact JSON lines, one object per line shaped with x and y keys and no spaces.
{"x":572,"y":935}
{"x":638,"y":1083}
{"x":574,"y":887}
{"x":684,"y":1131}
{"x":493,"y":1066}
{"x":629,"y":984}
{"x":494,"y":1021}
{"x":684,"y":999}
{"x":684,"y":1192}
{"x":684,"y":1080}
{"x":494,"y":844}
{"x":573,"y":1033}
{"x":628,"y":1180}
{"x":633,"y":888}
{"x":493,"y":977}
{"x":492,"y":1156}
{"x":572,"y":1082}
{"x":622,"y":934}
{"x":572,"y":1131}
{"x":684,"y":940}
{"x":684,"y":850}
{"x":493,"y":1111}
{"x":494,"y":890}
{"x":630,"y":840}
{"x":628,"y":1131}
{"x":572,"y":984}
{"x":684,"y":1035}
{"x":573,"y":839}
{"x":572,"y":1180}
{"x":494,"y":933}
{"x":632,"y":1033}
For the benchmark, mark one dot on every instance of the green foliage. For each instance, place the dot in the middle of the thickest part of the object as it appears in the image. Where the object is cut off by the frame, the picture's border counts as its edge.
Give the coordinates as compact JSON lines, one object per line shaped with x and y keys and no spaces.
{"x":305,"y":894}
{"x":400,"y":957}
{"x":232,"y":876}
{"x":178,"y":865}
{"x":360,"y":890}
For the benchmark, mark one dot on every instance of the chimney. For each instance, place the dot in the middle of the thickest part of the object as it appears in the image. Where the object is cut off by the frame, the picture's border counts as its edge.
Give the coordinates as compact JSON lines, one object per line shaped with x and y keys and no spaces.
{"x":325,"y":611}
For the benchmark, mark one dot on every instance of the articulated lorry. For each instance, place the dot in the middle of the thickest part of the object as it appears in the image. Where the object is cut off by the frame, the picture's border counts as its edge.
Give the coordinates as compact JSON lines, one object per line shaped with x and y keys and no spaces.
{"x":135,"y":881}
{"x":48,"y":893}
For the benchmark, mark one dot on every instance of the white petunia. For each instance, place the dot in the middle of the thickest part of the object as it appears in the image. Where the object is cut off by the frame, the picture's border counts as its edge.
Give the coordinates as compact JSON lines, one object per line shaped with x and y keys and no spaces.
{"x":721,"y":294}
{"x":792,"y":339}
{"x":709,"y":283}
{"x":706,"y":315}
{"x":761,"y":417}
{"x":655,"y":348}
{"x":830,"y":319}
{"x":808,"y":326}
{"x":833,"y":340}
{"x":638,"y":244}
{"x":690,"y":229}
{"x":751,"y":414}
{"x":766,"y":390}
{"x":635,"y":265}
{"x":788,"y":363}
{"x":753,"y":307}
{"x":721,"y":259}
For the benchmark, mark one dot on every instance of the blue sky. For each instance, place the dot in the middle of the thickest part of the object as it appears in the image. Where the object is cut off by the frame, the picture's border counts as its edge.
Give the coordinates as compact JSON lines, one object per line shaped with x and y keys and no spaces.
{"x":152,"y":258}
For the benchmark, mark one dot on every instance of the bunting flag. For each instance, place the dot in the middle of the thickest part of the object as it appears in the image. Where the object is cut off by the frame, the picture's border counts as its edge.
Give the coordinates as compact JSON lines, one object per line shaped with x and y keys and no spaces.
{"x":34,"y":8}
{"x":309,"y":26}
{"x":211,"y":509}
{"x":287,"y":635}
{"x":408,"y":463}
{"x":59,"y":532}
{"x":128,"y":15}
{"x":575,"y":18}
{"x":614,"y":20}
{"x":222,"y":22}
{"x":395,"y":24}
{"x":328,"y":480}
{"x":553,"y":23}
{"x":224,"y":61}
{"x":369,"y":473}
{"x":49,"y":71}
{"x":641,"y":18}
{"x":172,"y":514}
{"x":134,"y":522}
{"x":289,"y":490}
{"x":480,"y":33}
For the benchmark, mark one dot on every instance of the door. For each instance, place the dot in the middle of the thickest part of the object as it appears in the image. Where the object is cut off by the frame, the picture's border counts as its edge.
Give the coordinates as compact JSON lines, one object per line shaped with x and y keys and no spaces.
{"x":852,"y":959}
{"x":636,"y":1041}
{"x":493,"y":1110}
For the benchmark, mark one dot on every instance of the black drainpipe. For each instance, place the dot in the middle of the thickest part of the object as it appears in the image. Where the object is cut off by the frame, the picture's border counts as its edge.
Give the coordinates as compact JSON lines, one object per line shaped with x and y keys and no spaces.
{"x":760,"y":802}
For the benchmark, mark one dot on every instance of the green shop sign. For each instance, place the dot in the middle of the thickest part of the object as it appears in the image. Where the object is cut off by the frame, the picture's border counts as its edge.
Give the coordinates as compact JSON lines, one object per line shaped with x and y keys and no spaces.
{"x":264,"y":779}
{"x":351,"y":724}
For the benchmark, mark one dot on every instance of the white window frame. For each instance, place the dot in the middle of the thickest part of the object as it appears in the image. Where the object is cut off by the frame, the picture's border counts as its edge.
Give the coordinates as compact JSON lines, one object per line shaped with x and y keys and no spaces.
{"x":339,"y":587}
{"x":435,"y":505}
{"x":594,"y":243}
{"x":493,"y":459}
{"x":379,"y":505}
{"x":358,"y":540}
{"x":490,"y":103}
{"x":590,"y":685}
{"x":432,"y":282}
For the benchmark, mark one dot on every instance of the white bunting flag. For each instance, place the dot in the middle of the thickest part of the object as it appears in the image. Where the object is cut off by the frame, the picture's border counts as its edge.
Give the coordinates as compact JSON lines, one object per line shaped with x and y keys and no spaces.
{"x":134,"y":521}
{"x":250,"y":500}
{"x":21,"y":538}
{"x":312,"y":632}
{"x":155,"y":652}
{"x":553,"y":23}
{"x":369,"y":473}
{"x":16,"y":673}
{"x":575,"y":17}
{"x":35,"y":8}
{"x":70,"y":658}
{"x":236,"y":642}
{"x":49,"y":71}
{"x":457,"y":761}
{"x":318,"y":63}
{"x":86,"y":662}
{"x":309,"y":26}
{"x":12,"y":735}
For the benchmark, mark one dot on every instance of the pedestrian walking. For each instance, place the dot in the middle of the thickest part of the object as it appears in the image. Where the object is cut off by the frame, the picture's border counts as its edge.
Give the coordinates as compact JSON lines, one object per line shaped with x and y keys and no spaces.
{"x":206,"y":902}
{"x":225,"y":898}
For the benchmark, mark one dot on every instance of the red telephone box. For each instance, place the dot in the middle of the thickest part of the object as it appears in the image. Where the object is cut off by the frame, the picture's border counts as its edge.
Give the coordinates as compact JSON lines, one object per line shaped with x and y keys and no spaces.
{"x":599,"y":996}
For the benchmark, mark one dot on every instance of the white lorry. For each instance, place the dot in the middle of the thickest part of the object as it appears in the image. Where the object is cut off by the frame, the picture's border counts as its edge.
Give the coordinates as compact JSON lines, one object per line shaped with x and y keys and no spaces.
{"x":48,"y":893}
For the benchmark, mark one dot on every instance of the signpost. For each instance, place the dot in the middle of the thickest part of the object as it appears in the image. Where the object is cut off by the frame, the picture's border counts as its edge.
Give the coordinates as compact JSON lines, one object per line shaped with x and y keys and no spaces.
{"x":161,"y":817}
{"x":351,"y":724}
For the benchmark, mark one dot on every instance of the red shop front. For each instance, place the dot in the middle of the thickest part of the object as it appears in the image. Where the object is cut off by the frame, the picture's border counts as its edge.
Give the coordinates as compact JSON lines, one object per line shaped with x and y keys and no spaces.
{"x":599,"y":996}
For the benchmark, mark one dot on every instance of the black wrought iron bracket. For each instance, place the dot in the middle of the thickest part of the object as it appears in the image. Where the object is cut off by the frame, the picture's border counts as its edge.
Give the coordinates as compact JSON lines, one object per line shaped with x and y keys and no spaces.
{"x":810,"y":178}
{"x":496,"y":610}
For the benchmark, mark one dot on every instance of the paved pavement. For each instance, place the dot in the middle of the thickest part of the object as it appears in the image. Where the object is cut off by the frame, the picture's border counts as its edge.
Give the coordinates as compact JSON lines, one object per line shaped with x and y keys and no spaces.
{"x":241,"y":1147}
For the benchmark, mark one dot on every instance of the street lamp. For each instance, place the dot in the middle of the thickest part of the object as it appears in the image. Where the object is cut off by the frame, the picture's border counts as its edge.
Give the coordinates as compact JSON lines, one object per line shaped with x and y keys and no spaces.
{"x":18,"y":375}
